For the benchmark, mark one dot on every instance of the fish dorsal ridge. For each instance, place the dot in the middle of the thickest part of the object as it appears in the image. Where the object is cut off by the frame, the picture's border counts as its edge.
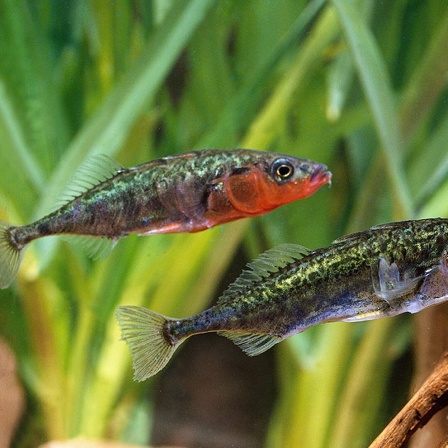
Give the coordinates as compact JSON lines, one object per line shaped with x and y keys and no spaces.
{"x":349,"y":237}
{"x":93,"y":171}
{"x":267,"y":263}
{"x":378,"y":227}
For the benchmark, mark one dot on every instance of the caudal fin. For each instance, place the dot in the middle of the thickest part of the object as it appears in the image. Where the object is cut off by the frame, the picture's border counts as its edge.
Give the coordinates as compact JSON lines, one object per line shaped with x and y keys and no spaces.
{"x":10,"y":257}
{"x":142,"y":330}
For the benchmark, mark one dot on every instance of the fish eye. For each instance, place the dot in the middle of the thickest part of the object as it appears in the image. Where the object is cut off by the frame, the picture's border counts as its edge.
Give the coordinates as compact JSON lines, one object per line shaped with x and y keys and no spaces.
{"x":282,"y":170}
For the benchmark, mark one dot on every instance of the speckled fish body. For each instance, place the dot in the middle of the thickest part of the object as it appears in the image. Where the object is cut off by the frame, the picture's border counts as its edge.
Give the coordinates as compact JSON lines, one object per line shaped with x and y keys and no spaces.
{"x":387,"y":270}
{"x":184,"y":193}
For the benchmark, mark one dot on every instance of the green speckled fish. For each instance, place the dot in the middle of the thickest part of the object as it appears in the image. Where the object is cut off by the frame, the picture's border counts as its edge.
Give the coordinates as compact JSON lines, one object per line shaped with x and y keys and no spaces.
{"x":183,"y":193}
{"x":387,"y":270}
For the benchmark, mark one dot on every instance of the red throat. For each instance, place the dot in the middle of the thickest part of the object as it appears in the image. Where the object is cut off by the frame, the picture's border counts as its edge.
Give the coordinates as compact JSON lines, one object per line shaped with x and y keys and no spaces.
{"x":254,"y":193}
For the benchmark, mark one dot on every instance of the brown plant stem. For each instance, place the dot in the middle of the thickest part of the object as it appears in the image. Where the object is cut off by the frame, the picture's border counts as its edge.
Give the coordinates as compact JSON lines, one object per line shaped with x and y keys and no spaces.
{"x":427,"y":401}
{"x":431,"y":342}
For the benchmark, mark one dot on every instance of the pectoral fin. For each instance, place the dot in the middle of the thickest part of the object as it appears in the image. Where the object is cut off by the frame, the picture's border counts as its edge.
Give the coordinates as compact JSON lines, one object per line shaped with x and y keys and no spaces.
{"x":388,"y":284}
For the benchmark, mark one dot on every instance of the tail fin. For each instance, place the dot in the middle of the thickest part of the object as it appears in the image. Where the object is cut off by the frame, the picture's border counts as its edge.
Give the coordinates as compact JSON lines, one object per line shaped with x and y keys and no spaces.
{"x":142,"y":330}
{"x":10,"y":257}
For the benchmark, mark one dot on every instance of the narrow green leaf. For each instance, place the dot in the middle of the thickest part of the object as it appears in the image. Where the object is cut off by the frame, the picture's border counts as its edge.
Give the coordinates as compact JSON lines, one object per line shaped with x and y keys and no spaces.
{"x":25,"y":68}
{"x":427,"y":177}
{"x":271,"y":119}
{"x":107,"y":130}
{"x":437,"y":204}
{"x":235,"y":116}
{"x":340,"y":76}
{"x":360,"y":400}
{"x":19,"y":166}
{"x":427,"y":81}
{"x":373,"y":75}
{"x":20,"y":154}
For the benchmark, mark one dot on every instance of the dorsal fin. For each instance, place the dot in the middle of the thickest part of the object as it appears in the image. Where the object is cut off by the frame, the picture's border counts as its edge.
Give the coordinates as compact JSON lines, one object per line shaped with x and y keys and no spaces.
{"x":267,"y":263}
{"x":93,"y":171}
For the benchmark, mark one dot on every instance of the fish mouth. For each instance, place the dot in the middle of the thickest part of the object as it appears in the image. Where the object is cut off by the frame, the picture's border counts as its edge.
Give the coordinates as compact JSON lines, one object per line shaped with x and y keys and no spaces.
{"x":320,"y":176}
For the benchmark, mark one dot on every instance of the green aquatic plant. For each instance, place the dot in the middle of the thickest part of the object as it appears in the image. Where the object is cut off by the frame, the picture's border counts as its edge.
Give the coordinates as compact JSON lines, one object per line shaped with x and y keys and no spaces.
{"x":355,"y":85}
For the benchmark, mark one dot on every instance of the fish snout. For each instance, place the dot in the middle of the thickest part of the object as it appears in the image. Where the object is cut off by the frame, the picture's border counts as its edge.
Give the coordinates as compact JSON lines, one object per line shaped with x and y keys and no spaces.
{"x":321,"y":175}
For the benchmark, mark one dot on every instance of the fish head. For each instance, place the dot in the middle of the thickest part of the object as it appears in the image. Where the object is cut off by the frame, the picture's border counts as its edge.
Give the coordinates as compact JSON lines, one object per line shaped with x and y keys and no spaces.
{"x":277,"y":180}
{"x":289,"y":179}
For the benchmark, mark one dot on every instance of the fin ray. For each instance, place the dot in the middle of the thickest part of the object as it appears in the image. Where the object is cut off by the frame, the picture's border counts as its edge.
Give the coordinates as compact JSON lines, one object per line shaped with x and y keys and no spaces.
{"x":94,"y":170}
{"x":96,"y":247}
{"x":142,"y":330}
{"x":346,"y":238}
{"x":251,"y":343}
{"x":387,"y":282}
{"x":388,"y":225}
{"x":267,"y":263}
{"x":10,"y":257}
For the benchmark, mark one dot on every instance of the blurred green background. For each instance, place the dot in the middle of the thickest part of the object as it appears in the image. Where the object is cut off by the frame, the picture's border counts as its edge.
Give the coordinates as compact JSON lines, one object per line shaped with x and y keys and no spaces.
{"x":360,"y":86}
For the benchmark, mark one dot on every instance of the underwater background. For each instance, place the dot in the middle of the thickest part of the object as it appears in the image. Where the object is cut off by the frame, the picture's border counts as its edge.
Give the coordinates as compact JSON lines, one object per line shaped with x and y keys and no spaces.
{"x":359,"y":86}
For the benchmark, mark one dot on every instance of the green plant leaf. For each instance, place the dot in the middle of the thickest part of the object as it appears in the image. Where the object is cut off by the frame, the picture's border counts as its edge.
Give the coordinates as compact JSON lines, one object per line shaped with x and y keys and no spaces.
{"x":372,"y":73}
{"x":108,"y":128}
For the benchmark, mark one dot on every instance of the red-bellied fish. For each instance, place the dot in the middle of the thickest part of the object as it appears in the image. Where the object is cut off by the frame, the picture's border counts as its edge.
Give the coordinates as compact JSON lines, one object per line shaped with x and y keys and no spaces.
{"x":183,"y":193}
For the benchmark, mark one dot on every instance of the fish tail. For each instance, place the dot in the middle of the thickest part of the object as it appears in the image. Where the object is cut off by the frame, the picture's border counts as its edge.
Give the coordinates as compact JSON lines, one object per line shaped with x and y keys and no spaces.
{"x":142,"y":330}
{"x":10,"y":256}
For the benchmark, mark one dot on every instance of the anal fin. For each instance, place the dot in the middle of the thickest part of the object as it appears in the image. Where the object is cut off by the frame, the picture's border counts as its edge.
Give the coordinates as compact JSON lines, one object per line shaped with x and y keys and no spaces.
{"x":251,"y":343}
{"x":95,"y":247}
